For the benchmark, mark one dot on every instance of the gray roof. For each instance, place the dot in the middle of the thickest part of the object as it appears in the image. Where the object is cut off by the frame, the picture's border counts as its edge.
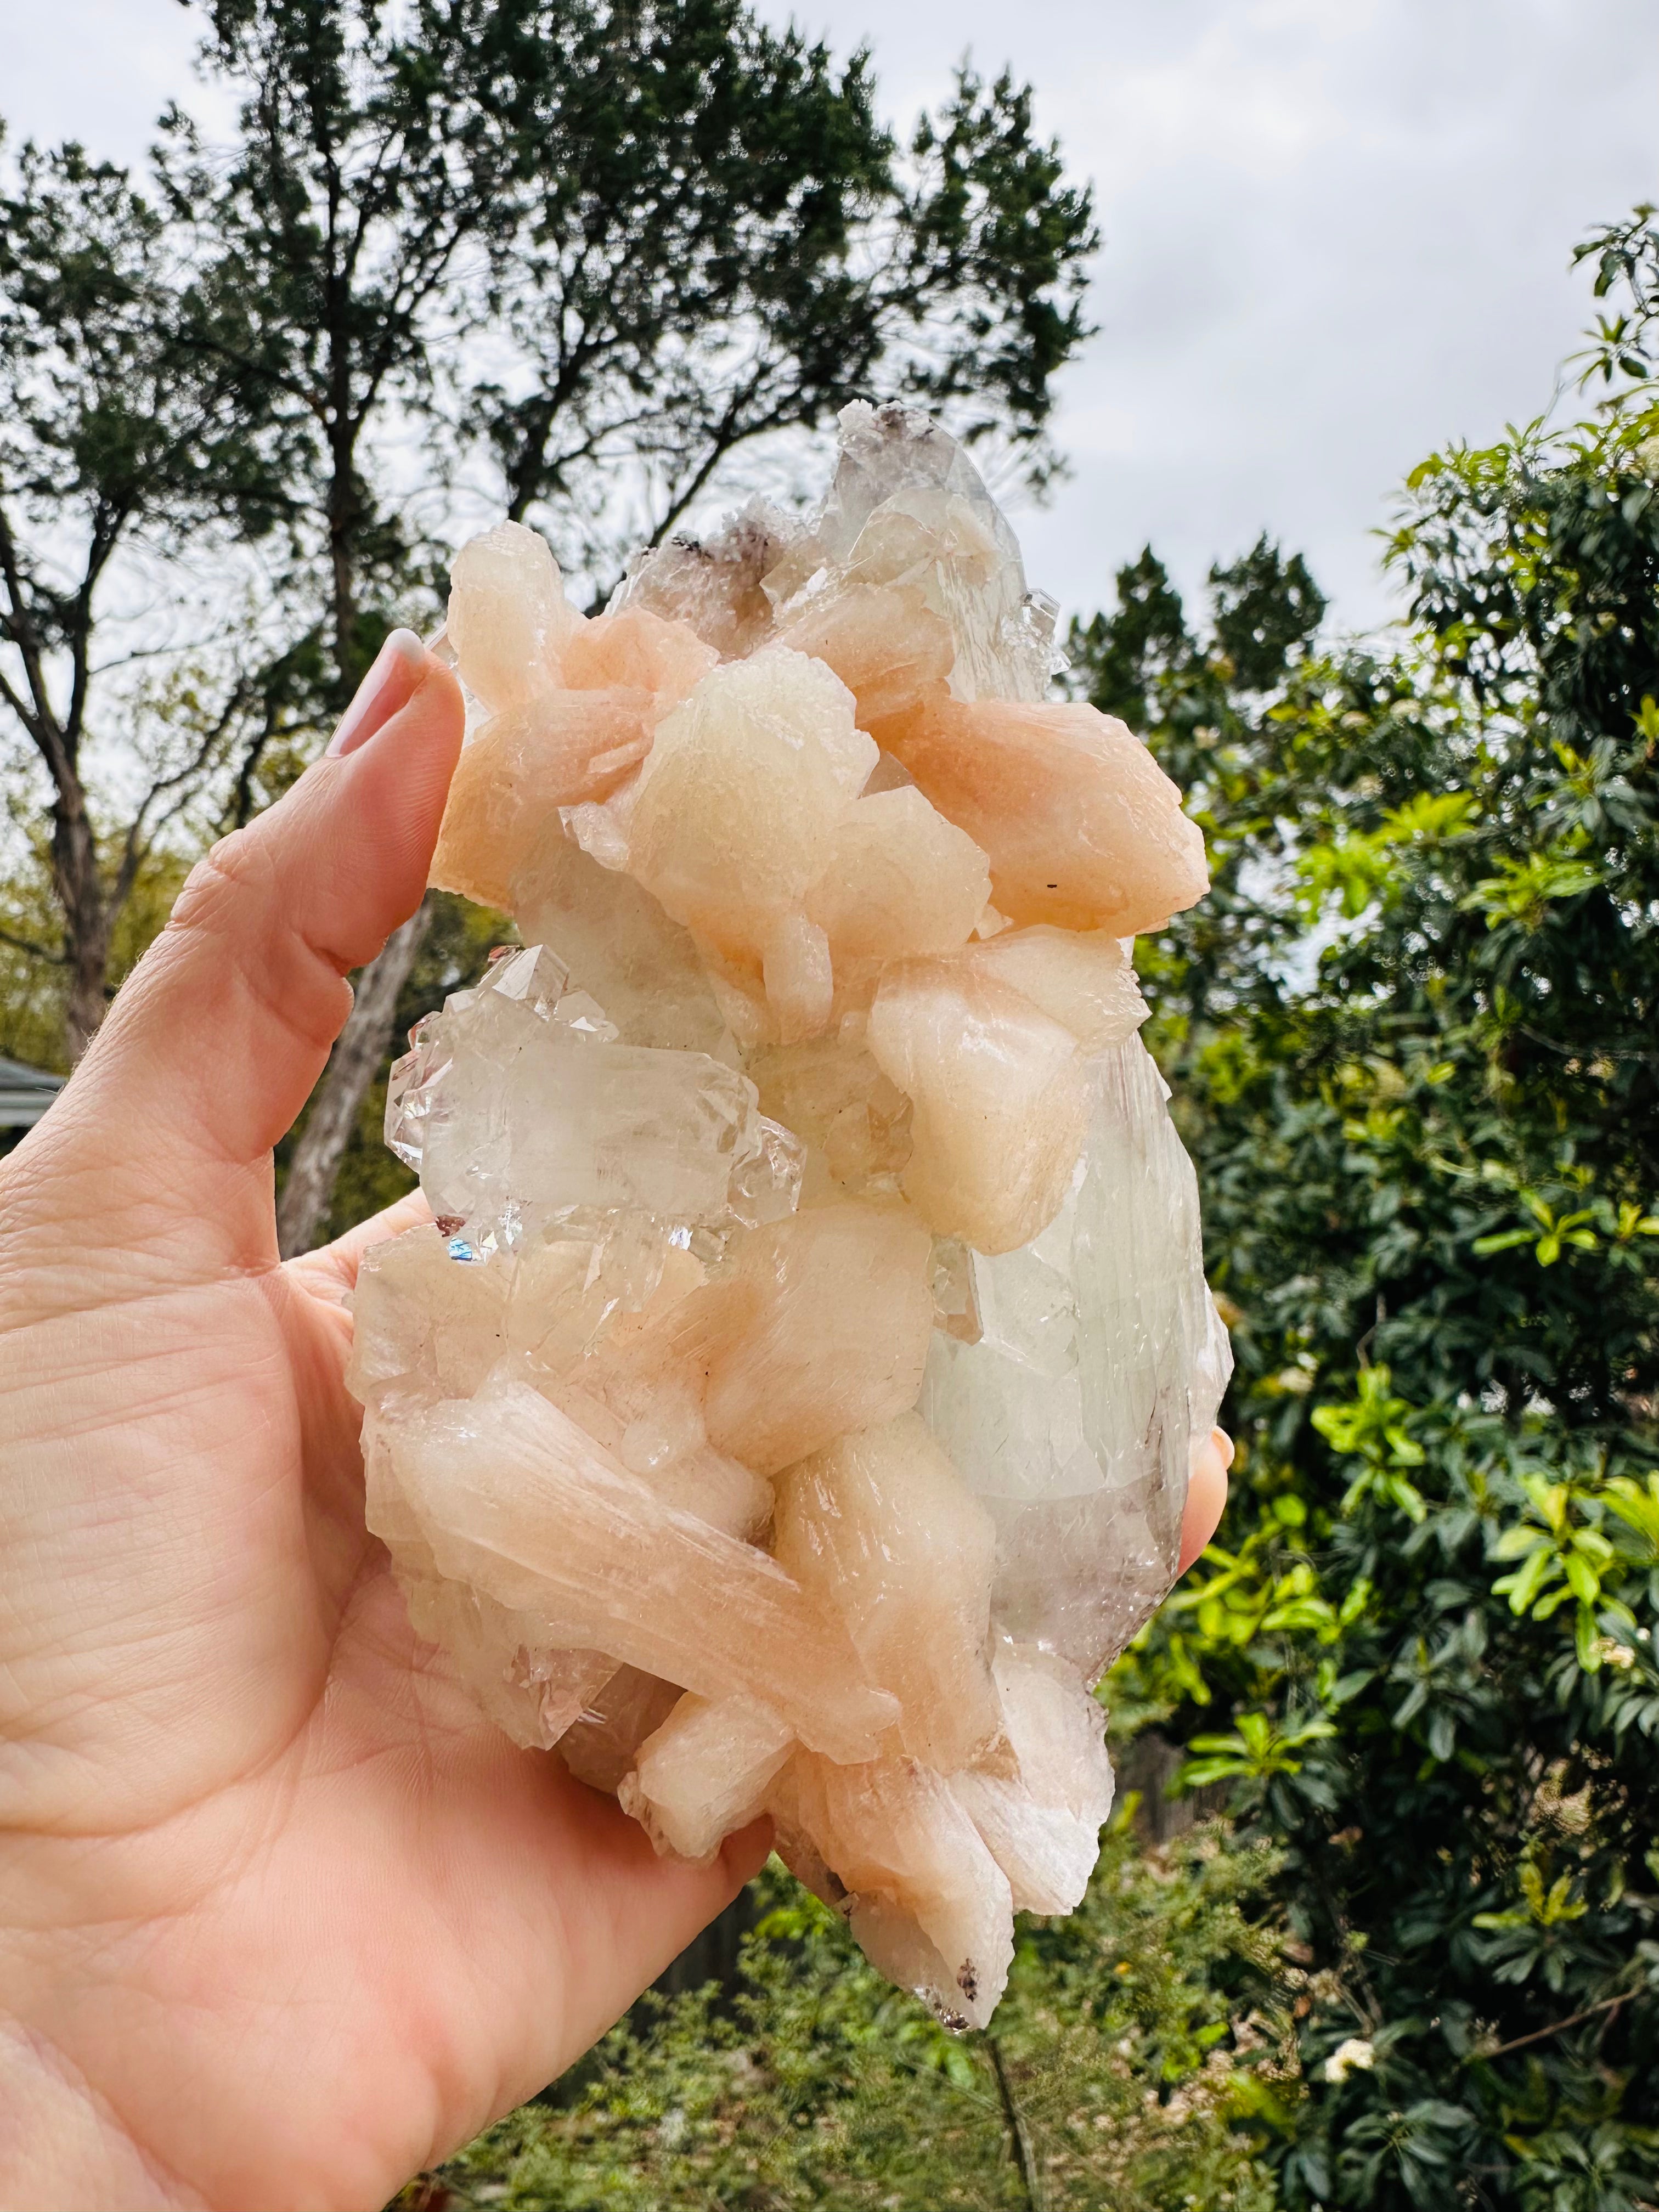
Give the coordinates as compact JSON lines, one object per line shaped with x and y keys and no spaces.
{"x":25,"y":1094}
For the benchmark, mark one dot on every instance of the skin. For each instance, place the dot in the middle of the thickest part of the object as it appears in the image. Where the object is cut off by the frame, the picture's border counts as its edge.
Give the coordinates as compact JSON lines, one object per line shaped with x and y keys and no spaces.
{"x":281,"y":1921}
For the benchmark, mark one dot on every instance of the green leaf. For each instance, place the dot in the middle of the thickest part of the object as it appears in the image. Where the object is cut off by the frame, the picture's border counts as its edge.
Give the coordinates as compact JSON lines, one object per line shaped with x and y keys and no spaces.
{"x":1517,"y":1542}
{"x":1582,"y":1578}
{"x":1522,"y":1587}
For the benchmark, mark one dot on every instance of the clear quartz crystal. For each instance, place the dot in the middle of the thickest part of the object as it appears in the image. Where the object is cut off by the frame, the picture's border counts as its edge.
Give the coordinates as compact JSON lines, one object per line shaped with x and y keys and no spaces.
{"x":519,"y":1104}
{"x":791,"y":1407}
{"x":906,"y":504}
{"x":1099,"y":1369}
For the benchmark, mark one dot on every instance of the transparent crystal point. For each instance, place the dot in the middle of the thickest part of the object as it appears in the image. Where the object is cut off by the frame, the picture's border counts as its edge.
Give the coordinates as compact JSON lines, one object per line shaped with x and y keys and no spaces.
{"x":1100,"y":1363}
{"x":520,"y":1106}
{"x":907,"y":506}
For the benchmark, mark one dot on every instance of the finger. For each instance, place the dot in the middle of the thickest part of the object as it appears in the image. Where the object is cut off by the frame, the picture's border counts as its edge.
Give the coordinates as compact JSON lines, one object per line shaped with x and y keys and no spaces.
{"x":1206,"y":1495}
{"x":552,"y":1897}
{"x":331,"y":1271}
{"x":640,"y":1910}
{"x":216,"y":1041}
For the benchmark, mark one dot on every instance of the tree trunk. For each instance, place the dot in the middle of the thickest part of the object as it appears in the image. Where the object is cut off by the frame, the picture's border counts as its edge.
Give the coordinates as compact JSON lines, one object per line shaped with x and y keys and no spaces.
{"x":89,"y":968}
{"x":1019,"y":2133}
{"x":87,"y":919}
{"x":353,"y":1065}
{"x":712,"y":1954}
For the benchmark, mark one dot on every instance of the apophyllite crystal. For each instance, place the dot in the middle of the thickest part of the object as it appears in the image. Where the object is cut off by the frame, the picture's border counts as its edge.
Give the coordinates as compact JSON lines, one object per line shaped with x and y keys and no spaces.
{"x":791,"y":1410}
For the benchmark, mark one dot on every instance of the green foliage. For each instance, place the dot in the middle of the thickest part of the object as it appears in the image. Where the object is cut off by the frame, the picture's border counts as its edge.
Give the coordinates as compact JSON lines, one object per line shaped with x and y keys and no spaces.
{"x":119,"y":441}
{"x":1141,"y":2059}
{"x":34,"y":971}
{"x":683,"y":231}
{"x":105,"y":408}
{"x":1264,"y":608}
{"x":1412,"y":1034}
{"x":1412,"y":1037}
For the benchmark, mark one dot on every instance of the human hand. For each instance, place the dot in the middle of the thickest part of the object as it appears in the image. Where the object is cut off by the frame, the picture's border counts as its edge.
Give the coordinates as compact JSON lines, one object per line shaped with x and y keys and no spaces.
{"x":283,"y":1920}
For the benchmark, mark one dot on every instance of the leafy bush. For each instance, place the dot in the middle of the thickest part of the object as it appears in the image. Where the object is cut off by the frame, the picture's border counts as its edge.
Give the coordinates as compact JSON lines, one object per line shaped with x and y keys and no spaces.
{"x":1415,"y":1034}
{"x":1141,"y":2052}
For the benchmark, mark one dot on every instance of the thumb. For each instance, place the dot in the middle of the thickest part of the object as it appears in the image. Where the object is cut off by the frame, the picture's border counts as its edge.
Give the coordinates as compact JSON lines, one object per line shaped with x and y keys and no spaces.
{"x":1206,"y":1495}
{"x":215,"y":1040}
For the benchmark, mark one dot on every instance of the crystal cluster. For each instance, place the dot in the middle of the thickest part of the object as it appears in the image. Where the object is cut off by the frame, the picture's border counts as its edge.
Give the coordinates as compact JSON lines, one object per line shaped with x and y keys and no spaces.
{"x":792,"y":1408}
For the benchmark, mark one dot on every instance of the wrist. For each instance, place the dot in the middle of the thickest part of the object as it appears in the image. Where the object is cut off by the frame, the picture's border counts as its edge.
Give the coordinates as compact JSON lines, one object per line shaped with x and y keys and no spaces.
{"x":60,"y":2144}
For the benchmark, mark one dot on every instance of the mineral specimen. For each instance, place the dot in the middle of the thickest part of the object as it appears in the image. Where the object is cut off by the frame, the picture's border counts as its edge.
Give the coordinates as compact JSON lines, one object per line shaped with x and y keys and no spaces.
{"x":791,"y":1410}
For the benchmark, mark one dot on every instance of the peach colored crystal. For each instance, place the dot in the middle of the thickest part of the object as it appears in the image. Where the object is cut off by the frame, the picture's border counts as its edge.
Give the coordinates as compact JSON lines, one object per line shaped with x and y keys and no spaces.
{"x":1081,"y":825}
{"x":790,"y":1411}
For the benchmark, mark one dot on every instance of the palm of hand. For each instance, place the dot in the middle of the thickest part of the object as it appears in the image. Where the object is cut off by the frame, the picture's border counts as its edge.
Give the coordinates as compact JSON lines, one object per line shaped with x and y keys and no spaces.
{"x":283,"y":1920}
{"x":288,"y":1920}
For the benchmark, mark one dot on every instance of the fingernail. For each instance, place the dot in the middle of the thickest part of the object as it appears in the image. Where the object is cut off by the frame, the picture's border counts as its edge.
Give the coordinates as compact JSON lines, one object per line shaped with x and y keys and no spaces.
{"x":388,"y":683}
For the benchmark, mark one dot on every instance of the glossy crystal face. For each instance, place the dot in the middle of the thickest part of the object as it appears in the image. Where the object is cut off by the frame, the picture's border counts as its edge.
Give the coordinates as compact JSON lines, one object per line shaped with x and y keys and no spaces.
{"x":790,"y":1411}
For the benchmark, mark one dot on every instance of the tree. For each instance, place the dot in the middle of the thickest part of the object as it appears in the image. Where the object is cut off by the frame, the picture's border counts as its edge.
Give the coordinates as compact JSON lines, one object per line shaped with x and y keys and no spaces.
{"x":1414,"y":1033}
{"x":576,"y":260}
{"x":726,"y":246}
{"x":117,"y":443}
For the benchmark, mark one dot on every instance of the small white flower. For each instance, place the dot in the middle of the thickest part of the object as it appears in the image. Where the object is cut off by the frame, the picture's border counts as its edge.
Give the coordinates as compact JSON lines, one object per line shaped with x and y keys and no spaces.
{"x":1342,"y":2062}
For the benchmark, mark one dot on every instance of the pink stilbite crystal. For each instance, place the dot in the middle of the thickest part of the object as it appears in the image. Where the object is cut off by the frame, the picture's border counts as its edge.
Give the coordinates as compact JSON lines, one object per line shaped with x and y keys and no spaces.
{"x":1085,"y":982}
{"x":999,"y":1096}
{"x":842,"y":1318}
{"x":791,"y":1408}
{"x":878,"y":1528}
{"x":706,"y":1771}
{"x":1082,"y":826}
{"x":637,"y":650}
{"x":567,"y":746}
{"x":900,"y":879}
{"x":513,"y":1497}
{"x":1042,"y":1823}
{"x":929,"y":1902}
{"x":884,"y":642}
{"x":740,"y":796}
{"x":508,"y":619}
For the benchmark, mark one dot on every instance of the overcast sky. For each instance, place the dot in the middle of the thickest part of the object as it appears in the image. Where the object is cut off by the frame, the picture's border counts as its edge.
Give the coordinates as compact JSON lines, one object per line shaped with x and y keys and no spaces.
{"x":1336,"y":231}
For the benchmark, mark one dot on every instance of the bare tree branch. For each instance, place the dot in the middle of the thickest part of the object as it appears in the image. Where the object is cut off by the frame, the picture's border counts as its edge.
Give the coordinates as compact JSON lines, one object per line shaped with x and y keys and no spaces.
{"x":35,"y":952}
{"x":183,"y":782}
{"x":1555,"y":2028}
{"x":42,"y":723}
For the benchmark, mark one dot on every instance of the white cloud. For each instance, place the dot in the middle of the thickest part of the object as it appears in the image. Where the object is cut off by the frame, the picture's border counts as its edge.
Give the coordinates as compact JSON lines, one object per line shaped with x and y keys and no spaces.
{"x":98,"y":71}
{"x":1335,"y":235}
